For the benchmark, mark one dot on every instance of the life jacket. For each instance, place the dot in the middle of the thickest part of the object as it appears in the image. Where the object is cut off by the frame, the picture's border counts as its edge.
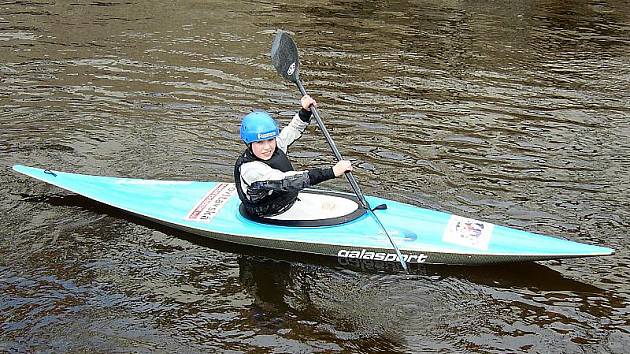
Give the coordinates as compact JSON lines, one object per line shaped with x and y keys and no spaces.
{"x":273,"y":203}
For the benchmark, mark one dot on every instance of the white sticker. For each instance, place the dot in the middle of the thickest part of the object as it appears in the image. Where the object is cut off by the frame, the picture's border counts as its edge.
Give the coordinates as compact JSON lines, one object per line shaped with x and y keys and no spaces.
{"x":468,"y":232}
{"x":210,"y":205}
{"x":291,"y":69}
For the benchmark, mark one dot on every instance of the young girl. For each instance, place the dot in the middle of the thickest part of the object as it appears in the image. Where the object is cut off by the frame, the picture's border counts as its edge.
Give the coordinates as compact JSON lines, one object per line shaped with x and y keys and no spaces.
{"x":265,"y":180}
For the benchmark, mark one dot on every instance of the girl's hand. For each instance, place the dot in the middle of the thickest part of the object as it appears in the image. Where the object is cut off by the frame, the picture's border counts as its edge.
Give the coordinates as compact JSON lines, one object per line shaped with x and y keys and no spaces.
{"x":342,"y":167}
{"x":307,"y":101}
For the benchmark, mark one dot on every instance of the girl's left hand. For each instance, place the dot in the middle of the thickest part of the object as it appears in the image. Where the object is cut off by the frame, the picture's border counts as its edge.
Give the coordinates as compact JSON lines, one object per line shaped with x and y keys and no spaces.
{"x":342,"y":167}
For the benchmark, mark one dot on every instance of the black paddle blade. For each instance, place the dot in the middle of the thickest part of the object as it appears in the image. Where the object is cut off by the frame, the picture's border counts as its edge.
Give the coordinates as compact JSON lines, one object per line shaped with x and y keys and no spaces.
{"x":284,"y":56}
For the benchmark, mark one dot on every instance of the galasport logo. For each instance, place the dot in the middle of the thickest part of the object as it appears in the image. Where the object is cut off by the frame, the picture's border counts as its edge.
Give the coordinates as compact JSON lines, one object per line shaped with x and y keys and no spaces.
{"x":381,"y":256}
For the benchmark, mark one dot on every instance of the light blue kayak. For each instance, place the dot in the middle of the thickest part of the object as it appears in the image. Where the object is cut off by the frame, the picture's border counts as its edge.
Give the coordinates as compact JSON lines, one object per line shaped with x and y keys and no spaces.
{"x":212,"y":209}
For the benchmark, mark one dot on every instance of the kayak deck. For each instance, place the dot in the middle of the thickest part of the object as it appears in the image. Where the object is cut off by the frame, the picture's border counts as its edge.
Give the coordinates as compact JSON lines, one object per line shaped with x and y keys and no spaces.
{"x":211,"y":209}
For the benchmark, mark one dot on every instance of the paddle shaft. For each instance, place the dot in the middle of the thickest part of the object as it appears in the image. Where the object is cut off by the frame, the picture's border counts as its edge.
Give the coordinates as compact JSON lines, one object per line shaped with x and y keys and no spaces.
{"x":350,"y":177}
{"x":322,"y":127}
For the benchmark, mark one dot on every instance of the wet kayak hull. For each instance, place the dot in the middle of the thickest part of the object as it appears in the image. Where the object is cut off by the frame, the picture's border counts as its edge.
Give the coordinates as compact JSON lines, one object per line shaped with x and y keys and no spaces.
{"x":212,"y":209}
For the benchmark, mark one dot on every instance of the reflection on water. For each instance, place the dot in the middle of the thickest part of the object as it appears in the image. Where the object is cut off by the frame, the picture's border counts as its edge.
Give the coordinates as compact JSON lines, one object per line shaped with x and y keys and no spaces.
{"x":515,"y":114}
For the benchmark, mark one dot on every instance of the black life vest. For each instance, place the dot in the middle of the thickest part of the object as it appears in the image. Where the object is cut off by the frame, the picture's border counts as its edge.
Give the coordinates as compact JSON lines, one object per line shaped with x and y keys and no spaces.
{"x":274,"y":203}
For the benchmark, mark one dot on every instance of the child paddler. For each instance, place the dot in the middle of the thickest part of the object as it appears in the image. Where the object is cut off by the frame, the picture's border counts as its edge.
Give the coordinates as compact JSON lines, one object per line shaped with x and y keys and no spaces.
{"x":265,"y":180}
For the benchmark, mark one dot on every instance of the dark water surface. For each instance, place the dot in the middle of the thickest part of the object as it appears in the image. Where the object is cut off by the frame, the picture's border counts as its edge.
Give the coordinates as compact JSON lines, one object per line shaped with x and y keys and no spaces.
{"x":517,"y":113}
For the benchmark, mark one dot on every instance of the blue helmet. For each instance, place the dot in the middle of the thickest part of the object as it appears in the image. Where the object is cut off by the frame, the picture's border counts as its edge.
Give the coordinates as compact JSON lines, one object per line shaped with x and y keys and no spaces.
{"x":258,"y":126}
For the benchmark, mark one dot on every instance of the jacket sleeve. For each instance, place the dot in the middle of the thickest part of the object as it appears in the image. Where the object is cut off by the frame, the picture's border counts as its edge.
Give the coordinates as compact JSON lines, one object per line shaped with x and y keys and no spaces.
{"x":259,"y":171}
{"x":258,"y":177}
{"x":291,"y":132}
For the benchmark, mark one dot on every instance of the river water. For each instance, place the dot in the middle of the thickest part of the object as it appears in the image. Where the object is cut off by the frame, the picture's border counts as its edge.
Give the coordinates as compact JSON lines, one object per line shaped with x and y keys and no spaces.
{"x":514,"y":112}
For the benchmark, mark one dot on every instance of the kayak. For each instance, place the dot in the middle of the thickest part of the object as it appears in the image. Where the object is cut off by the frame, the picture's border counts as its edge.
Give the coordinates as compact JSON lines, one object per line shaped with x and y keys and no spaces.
{"x":333,"y":223}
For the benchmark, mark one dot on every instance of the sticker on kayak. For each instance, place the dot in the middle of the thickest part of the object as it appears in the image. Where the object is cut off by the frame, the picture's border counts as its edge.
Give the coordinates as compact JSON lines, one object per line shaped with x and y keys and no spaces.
{"x":210,"y":205}
{"x":468,"y":232}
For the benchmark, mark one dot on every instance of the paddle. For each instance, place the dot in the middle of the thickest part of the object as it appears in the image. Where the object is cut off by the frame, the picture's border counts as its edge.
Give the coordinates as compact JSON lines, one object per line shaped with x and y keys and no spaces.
{"x":284,"y":57}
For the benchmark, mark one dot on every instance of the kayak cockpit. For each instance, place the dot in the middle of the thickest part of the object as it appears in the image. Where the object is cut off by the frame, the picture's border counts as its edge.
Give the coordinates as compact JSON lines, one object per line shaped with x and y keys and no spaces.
{"x":314,"y":208}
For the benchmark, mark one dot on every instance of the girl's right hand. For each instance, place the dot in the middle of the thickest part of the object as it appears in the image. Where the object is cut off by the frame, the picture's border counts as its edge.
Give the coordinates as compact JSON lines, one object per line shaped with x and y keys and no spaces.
{"x":342,"y":167}
{"x":307,"y":101}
